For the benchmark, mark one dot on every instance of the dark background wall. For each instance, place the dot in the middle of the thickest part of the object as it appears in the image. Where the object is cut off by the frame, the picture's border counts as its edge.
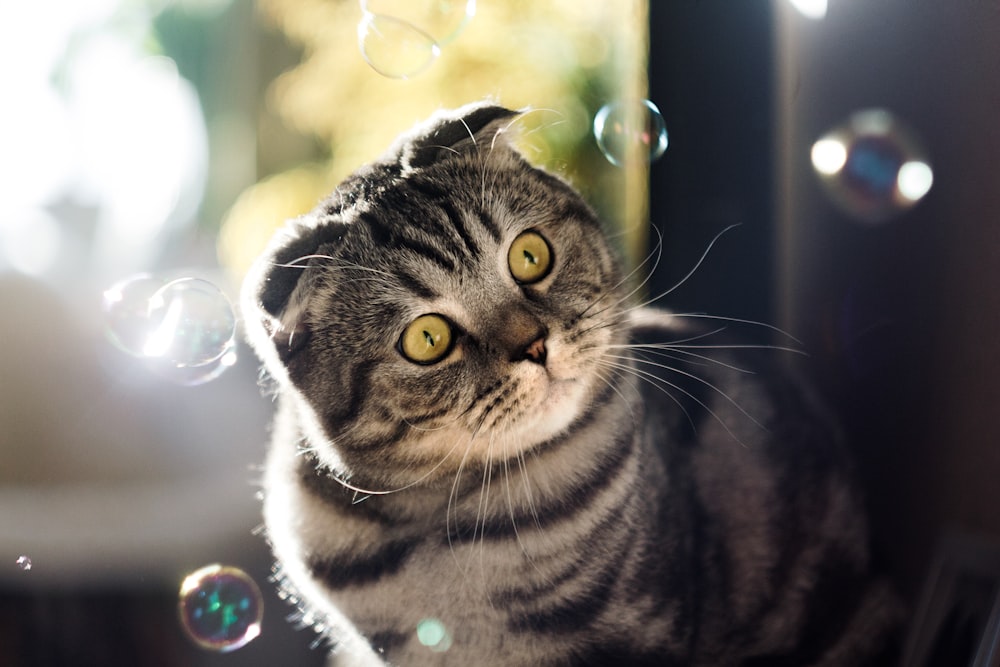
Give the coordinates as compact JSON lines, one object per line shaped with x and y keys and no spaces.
{"x":711,"y":73}
{"x":902,"y":318}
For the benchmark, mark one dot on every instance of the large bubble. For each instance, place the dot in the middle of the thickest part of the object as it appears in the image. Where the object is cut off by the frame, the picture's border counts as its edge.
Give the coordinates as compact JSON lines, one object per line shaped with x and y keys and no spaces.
{"x":399,"y":39}
{"x":220,"y":607}
{"x":630,"y":131}
{"x":184,"y":329}
{"x":872,"y":166}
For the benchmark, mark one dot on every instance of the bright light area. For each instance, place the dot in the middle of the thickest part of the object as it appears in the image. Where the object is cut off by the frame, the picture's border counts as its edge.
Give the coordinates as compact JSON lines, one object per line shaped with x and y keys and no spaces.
{"x":162,"y":338}
{"x":105,"y":136}
{"x":915,"y":179}
{"x":829,"y":156}
{"x":31,"y":239}
{"x":814,"y":9}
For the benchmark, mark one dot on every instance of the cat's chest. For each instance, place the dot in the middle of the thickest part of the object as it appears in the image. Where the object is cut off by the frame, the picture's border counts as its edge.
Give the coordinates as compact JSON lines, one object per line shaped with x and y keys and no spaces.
{"x":411,"y":593}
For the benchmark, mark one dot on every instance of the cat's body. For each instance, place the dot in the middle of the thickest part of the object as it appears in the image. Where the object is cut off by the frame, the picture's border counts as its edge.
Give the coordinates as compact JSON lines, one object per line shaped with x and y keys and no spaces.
{"x":572,"y":482}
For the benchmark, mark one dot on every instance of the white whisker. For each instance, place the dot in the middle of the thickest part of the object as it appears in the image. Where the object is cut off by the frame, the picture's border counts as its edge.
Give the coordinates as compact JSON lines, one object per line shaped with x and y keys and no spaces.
{"x":690,"y":273}
{"x":656,"y":380}
{"x":738,"y":320}
{"x":694,"y":377}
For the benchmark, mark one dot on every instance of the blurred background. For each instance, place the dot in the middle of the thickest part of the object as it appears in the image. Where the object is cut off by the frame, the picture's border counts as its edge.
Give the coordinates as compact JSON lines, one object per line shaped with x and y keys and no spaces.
{"x":148,"y":149}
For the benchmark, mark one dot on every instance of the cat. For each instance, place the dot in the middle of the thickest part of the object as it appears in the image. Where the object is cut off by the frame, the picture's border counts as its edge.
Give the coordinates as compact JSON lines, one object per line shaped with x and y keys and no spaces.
{"x":484,"y":454}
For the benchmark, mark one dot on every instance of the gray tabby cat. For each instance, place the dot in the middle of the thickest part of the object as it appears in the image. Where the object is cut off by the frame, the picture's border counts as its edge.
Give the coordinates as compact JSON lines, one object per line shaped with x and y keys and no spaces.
{"x":483,"y":455}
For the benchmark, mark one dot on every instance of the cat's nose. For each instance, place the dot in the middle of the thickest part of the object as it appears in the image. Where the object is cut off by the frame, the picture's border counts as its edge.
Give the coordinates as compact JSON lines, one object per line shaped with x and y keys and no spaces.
{"x":520,"y":334}
{"x":535,"y":351}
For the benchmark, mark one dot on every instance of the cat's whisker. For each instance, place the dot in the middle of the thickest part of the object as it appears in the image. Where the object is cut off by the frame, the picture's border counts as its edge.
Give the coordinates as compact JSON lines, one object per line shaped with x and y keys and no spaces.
{"x":655,"y":255}
{"x":610,"y":323}
{"x":431,"y":429}
{"x":695,"y":359}
{"x":482,"y":511}
{"x":614,"y":387}
{"x":668,"y":351}
{"x":653,"y":381}
{"x":737,"y":320}
{"x":694,"y":269}
{"x":295,"y":263}
{"x":528,"y":496}
{"x":340,"y":265}
{"x":385,"y":492}
{"x":520,"y":117}
{"x":528,"y":500}
{"x":656,"y":380}
{"x":682,"y":348}
{"x":443,"y":148}
{"x":696,"y":378}
{"x":450,"y":509}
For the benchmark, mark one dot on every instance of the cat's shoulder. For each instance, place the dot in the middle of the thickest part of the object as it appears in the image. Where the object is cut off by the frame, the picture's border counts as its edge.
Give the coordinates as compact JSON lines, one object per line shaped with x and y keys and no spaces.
{"x":652,"y":323}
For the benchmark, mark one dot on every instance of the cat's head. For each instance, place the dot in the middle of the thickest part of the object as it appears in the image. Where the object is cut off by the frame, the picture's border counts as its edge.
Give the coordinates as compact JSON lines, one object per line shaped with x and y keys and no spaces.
{"x":446,"y":305}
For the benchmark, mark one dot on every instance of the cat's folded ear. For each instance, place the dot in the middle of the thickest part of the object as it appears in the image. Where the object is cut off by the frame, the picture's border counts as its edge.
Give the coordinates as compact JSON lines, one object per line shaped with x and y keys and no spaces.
{"x":475,"y":126}
{"x":277,"y":286}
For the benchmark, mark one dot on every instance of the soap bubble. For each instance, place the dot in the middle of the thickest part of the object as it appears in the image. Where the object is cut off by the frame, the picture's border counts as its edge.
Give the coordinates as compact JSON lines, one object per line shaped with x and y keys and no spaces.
{"x":395,"y":48}
{"x":184,"y":329}
{"x":190,"y":376}
{"x":399,"y":39}
{"x":220,"y":607}
{"x":193,"y":323}
{"x":434,"y":635}
{"x":441,"y":20}
{"x":126,"y":312}
{"x":630,"y":131}
{"x":872,"y":166}
{"x":23,"y":562}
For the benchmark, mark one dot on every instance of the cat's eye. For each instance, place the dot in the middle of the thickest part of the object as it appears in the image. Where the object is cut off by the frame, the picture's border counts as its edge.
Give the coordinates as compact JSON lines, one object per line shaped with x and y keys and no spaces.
{"x":529,"y":258}
{"x":426,"y":340}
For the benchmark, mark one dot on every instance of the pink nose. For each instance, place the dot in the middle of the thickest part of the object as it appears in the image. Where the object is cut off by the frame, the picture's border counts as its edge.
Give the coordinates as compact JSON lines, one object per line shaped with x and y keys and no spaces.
{"x":536,"y":351}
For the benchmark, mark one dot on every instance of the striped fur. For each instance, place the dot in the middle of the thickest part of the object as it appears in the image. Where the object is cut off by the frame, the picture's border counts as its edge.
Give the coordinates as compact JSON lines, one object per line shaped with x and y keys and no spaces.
{"x":623,"y":498}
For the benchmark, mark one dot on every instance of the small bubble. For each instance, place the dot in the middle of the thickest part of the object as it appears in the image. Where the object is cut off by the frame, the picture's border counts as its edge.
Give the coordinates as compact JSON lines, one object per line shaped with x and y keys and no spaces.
{"x":434,"y":635}
{"x":126,"y":312}
{"x":872,"y":166}
{"x":220,"y":607}
{"x":630,"y":131}
{"x":395,"y":48}
{"x":184,"y":329}
{"x":23,"y":562}
{"x":441,"y":20}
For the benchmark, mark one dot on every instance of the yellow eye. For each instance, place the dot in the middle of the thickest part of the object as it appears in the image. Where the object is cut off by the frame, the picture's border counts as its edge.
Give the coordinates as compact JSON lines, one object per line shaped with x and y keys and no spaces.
{"x":529,"y":257}
{"x":427,"y":339}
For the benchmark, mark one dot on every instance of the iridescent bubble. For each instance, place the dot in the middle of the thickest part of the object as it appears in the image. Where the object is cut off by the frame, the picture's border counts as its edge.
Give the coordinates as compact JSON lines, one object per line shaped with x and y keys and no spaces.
{"x":629,"y":132}
{"x":184,"y":329}
{"x":192,"y":323}
{"x":23,"y":562}
{"x":190,"y":376}
{"x":442,"y":20}
{"x":126,"y":312}
{"x":220,"y":607}
{"x":395,"y":48}
{"x":434,"y":635}
{"x":872,"y":166}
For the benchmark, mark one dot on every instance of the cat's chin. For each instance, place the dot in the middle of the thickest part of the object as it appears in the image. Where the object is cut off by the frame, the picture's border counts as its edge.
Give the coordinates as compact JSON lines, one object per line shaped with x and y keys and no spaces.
{"x":559,"y":409}
{"x":555,"y":407}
